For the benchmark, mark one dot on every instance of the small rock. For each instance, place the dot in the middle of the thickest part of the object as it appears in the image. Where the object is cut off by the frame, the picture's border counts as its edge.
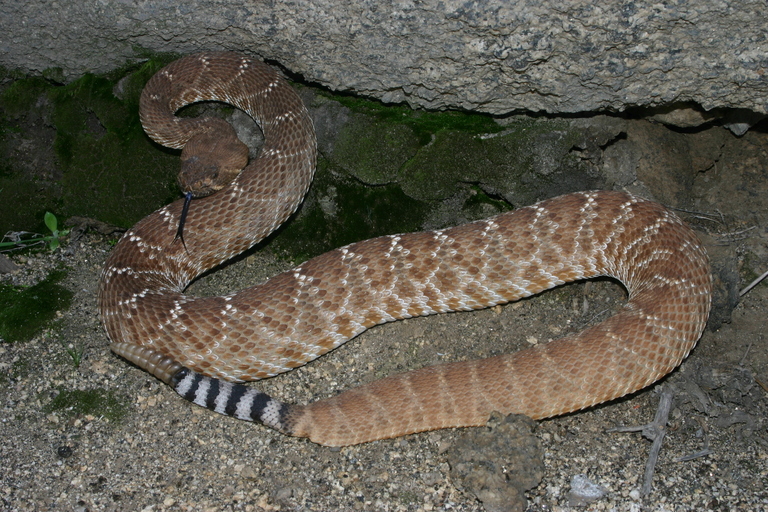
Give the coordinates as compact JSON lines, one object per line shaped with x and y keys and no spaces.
{"x":584,"y":491}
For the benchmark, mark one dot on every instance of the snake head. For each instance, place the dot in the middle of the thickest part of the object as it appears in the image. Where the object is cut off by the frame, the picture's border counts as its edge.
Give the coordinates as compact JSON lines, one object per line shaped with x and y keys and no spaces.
{"x":211,"y":160}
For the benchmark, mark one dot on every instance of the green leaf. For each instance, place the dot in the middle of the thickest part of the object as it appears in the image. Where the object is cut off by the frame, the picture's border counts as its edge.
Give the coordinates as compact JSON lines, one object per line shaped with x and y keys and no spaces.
{"x":51,"y":222}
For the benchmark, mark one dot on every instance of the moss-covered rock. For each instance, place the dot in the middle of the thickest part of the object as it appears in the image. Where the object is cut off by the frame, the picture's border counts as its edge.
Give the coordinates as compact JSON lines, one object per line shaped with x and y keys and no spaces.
{"x":519,"y":164}
{"x":374,"y":151}
{"x":78,"y":149}
{"x":111,"y":170}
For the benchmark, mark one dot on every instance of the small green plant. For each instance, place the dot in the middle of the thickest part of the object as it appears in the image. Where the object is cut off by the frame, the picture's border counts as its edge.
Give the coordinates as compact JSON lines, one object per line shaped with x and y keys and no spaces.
{"x":24,"y":239}
{"x":75,"y":351}
{"x":52,"y":223}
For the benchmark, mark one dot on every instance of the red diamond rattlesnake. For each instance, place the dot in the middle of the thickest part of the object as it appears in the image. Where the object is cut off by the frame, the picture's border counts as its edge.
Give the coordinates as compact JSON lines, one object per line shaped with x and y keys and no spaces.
{"x":303,"y":313}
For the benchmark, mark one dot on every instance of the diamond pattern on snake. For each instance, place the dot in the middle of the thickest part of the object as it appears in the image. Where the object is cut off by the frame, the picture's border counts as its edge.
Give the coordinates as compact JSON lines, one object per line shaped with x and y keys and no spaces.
{"x":205,"y":347}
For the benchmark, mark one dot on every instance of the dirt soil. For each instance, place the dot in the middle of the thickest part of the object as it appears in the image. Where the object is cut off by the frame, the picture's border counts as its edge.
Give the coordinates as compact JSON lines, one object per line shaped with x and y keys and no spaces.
{"x":166,"y":454}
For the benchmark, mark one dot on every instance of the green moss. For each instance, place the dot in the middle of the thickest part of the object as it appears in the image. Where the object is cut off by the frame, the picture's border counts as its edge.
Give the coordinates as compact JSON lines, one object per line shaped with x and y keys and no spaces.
{"x":10,"y":74}
{"x":340,"y":210}
{"x":24,"y":312}
{"x":529,"y":157}
{"x":54,"y":75}
{"x":22,"y":95}
{"x":112,"y":171}
{"x":96,"y":402}
{"x":23,"y":201}
{"x":478,"y":200}
{"x":424,"y":124}
{"x":21,"y":205}
{"x":107,"y":167}
{"x":452,"y":157}
{"x":373,"y":151}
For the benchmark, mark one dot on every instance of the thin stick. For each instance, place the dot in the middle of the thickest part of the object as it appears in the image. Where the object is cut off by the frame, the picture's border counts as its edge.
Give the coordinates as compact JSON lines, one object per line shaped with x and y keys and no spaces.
{"x":655,"y":431}
{"x":753,"y":283}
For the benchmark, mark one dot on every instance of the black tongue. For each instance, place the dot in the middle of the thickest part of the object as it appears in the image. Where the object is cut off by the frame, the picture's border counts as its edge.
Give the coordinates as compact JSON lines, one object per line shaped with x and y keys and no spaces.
{"x":183,"y":219}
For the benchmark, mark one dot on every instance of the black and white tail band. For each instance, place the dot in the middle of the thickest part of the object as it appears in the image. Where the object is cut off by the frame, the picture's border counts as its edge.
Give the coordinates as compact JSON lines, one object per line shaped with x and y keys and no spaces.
{"x":234,"y":400}
{"x":230,"y":399}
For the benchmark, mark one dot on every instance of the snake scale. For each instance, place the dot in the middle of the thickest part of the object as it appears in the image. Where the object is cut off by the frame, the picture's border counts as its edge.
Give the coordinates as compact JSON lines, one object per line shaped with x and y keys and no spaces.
{"x":205,"y":347}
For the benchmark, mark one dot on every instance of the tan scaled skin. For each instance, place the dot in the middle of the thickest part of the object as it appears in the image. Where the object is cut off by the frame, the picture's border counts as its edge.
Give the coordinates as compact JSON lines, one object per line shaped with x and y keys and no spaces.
{"x":303,"y":313}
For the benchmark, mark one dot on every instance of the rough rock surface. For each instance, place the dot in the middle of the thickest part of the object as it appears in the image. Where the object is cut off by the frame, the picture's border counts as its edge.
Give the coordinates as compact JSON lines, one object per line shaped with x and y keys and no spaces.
{"x":495,"y":56}
{"x":499,"y":463}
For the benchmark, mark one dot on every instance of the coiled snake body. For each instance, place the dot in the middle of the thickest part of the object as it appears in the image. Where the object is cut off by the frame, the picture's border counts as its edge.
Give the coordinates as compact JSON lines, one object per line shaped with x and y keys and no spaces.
{"x":204,"y":346}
